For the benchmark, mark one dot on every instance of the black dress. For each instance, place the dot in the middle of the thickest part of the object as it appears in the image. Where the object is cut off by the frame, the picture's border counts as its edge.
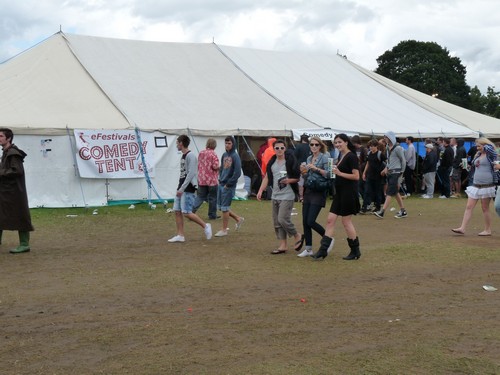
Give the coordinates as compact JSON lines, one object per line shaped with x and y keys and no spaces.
{"x":346,"y":200}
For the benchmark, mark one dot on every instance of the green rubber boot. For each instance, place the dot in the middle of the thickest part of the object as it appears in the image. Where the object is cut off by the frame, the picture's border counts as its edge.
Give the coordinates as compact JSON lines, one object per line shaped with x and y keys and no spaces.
{"x":24,"y":243}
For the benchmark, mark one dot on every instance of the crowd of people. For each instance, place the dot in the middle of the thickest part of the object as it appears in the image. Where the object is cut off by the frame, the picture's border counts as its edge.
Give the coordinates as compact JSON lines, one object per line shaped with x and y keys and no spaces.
{"x":218,"y":184}
{"x":366,"y":179}
{"x":361,"y":180}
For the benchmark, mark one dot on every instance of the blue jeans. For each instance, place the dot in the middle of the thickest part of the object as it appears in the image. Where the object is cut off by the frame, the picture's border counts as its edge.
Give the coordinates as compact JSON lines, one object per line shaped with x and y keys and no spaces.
{"x":310,"y":213}
{"x":207,"y":194}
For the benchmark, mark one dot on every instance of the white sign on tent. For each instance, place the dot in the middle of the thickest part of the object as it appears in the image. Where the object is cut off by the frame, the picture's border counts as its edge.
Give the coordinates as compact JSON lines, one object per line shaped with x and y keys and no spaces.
{"x":323,"y":134}
{"x":113,"y":154}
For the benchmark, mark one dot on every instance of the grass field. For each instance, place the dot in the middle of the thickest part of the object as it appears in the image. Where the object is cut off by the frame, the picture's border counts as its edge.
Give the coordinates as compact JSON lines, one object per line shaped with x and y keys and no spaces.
{"x":106,"y":294}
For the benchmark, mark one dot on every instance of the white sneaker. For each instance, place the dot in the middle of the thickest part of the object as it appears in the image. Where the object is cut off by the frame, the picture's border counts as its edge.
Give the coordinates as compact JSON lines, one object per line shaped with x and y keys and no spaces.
{"x":305,"y":253}
{"x":177,"y":239}
{"x":208,"y":231}
{"x":221,"y":233}
{"x":237,"y":226}
{"x":443,"y":197}
{"x":425,"y":196}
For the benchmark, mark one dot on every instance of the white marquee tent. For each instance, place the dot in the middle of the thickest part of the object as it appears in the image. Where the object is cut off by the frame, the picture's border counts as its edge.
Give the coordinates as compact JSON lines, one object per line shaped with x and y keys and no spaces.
{"x":70,"y":82}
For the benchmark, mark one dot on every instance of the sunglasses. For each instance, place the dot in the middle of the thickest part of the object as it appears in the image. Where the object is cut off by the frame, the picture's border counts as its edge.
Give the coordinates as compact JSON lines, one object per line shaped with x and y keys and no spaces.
{"x":279,"y":148}
{"x":314,"y":144}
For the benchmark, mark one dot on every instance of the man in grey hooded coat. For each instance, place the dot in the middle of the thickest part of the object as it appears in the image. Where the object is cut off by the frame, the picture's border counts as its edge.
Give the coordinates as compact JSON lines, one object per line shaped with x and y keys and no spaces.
{"x":396,"y":164}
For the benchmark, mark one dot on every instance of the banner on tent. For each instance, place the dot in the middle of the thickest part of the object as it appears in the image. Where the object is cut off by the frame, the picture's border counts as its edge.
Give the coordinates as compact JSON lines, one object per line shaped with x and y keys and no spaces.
{"x":323,"y":134}
{"x":113,"y":153}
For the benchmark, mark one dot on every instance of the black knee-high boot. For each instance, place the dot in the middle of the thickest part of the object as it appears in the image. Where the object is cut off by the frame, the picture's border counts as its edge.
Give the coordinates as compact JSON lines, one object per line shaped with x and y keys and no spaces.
{"x":355,"y":253}
{"x":323,"y":248}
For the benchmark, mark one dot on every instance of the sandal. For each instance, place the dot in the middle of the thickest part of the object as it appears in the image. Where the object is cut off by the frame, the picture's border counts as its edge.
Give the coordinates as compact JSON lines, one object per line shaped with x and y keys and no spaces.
{"x":278,"y":251}
{"x":299,"y":243}
{"x":458,"y":231}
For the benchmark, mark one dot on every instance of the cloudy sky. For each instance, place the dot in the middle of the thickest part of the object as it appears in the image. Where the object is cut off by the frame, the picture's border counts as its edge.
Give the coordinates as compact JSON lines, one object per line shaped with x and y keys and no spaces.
{"x":360,"y":29}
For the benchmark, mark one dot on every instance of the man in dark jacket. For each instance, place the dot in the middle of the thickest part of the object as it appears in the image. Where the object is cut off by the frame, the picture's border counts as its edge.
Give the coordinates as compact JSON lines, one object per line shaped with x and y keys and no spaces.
{"x":456,"y":178}
{"x":14,"y":209}
{"x":445,"y":167}
{"x":429,"y":170}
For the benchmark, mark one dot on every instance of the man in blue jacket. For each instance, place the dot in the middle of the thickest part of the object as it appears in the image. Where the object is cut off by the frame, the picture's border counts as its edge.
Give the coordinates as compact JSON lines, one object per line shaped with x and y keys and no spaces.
{"x":229,"y":173}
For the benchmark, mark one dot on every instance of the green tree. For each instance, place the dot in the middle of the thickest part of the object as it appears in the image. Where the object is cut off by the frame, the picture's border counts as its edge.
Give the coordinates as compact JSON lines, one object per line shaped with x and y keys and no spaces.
{"x":492,"y":102}
{"x":428,"y":68}
{"x":477,"y":100}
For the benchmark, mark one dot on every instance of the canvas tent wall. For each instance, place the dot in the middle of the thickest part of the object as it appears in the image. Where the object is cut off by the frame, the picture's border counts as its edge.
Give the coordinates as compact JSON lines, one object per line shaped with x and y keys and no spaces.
{"x":72,"y":82}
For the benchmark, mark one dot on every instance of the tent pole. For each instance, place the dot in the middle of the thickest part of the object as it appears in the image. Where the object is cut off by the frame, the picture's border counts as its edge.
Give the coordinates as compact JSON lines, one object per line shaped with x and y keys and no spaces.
{"x":194,"y":141}
{"x":249,"y":149}
{"x":145,"y":168}
{"x":75,"y":166}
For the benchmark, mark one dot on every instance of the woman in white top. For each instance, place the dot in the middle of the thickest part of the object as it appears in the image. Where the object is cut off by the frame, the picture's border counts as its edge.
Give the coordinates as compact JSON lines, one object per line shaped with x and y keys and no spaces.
{"x":482,"y":187}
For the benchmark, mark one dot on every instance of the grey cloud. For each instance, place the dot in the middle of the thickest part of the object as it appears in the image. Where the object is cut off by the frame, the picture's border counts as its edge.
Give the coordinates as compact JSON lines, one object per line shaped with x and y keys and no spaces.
{"x":331,"y":15}
{"x":189,"y":11}
{"x":14,"y":20}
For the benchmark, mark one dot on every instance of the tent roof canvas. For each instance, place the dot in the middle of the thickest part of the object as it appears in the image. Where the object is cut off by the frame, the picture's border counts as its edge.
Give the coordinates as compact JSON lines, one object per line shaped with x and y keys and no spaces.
{"x":488,"y":126}
{"x":73,"y":81}
{"x":332,"y":92}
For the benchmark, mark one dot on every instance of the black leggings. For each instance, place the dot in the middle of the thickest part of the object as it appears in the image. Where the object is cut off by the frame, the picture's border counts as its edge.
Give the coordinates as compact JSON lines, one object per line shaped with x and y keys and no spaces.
{"x":310,"y":213}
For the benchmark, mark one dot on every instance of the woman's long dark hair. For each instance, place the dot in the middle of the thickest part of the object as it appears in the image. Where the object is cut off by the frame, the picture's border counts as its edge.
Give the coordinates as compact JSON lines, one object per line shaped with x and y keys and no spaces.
{"x":345,"y":138}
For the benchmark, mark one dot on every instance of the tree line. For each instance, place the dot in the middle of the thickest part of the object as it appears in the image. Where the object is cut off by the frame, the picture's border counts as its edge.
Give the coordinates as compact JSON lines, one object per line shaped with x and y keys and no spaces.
{"x":429,"y":68}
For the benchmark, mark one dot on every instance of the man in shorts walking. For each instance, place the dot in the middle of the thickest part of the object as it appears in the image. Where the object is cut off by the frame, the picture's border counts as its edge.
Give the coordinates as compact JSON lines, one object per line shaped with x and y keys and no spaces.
{"x":396,"y":164}
{"x":185,"y":196}
{"x":230,"y":171}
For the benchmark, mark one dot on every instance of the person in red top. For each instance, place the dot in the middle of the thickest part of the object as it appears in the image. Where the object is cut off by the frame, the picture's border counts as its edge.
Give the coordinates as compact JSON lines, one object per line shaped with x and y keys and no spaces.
{"x":208,"y":174}
{"x":267,"y":155}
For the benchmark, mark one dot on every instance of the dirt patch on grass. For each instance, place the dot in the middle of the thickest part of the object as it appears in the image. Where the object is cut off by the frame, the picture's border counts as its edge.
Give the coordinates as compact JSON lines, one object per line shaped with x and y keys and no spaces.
{"x":106,"y":294}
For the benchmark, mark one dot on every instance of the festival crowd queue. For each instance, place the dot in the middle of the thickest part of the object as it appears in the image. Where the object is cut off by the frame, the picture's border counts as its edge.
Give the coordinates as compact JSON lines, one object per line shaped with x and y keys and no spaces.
{"x":361,"y":180}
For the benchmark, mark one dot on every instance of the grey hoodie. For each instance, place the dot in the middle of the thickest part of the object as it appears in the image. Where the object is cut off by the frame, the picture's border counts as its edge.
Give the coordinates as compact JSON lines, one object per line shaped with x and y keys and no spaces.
{"x":396,"y":162}
{"x":230,"y":169}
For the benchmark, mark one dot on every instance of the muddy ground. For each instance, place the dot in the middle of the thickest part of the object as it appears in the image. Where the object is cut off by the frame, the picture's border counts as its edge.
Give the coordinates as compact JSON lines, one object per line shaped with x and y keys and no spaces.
{"x":106,"y":294}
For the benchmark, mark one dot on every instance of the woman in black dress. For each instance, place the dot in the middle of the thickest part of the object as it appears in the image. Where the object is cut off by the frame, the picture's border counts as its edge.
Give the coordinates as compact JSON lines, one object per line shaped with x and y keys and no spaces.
{"x":346,"y":200}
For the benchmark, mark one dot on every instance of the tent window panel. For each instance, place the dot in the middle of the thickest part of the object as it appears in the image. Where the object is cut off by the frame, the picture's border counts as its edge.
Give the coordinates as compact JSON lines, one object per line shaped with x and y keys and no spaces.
{"x":161,"y":142}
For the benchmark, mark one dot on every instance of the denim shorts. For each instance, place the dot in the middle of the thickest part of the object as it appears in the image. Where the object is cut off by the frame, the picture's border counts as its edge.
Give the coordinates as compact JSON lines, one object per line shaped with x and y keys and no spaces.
{"x":184,"y":203}
{"x":393,"y":182}
{"x":224,"y":197}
